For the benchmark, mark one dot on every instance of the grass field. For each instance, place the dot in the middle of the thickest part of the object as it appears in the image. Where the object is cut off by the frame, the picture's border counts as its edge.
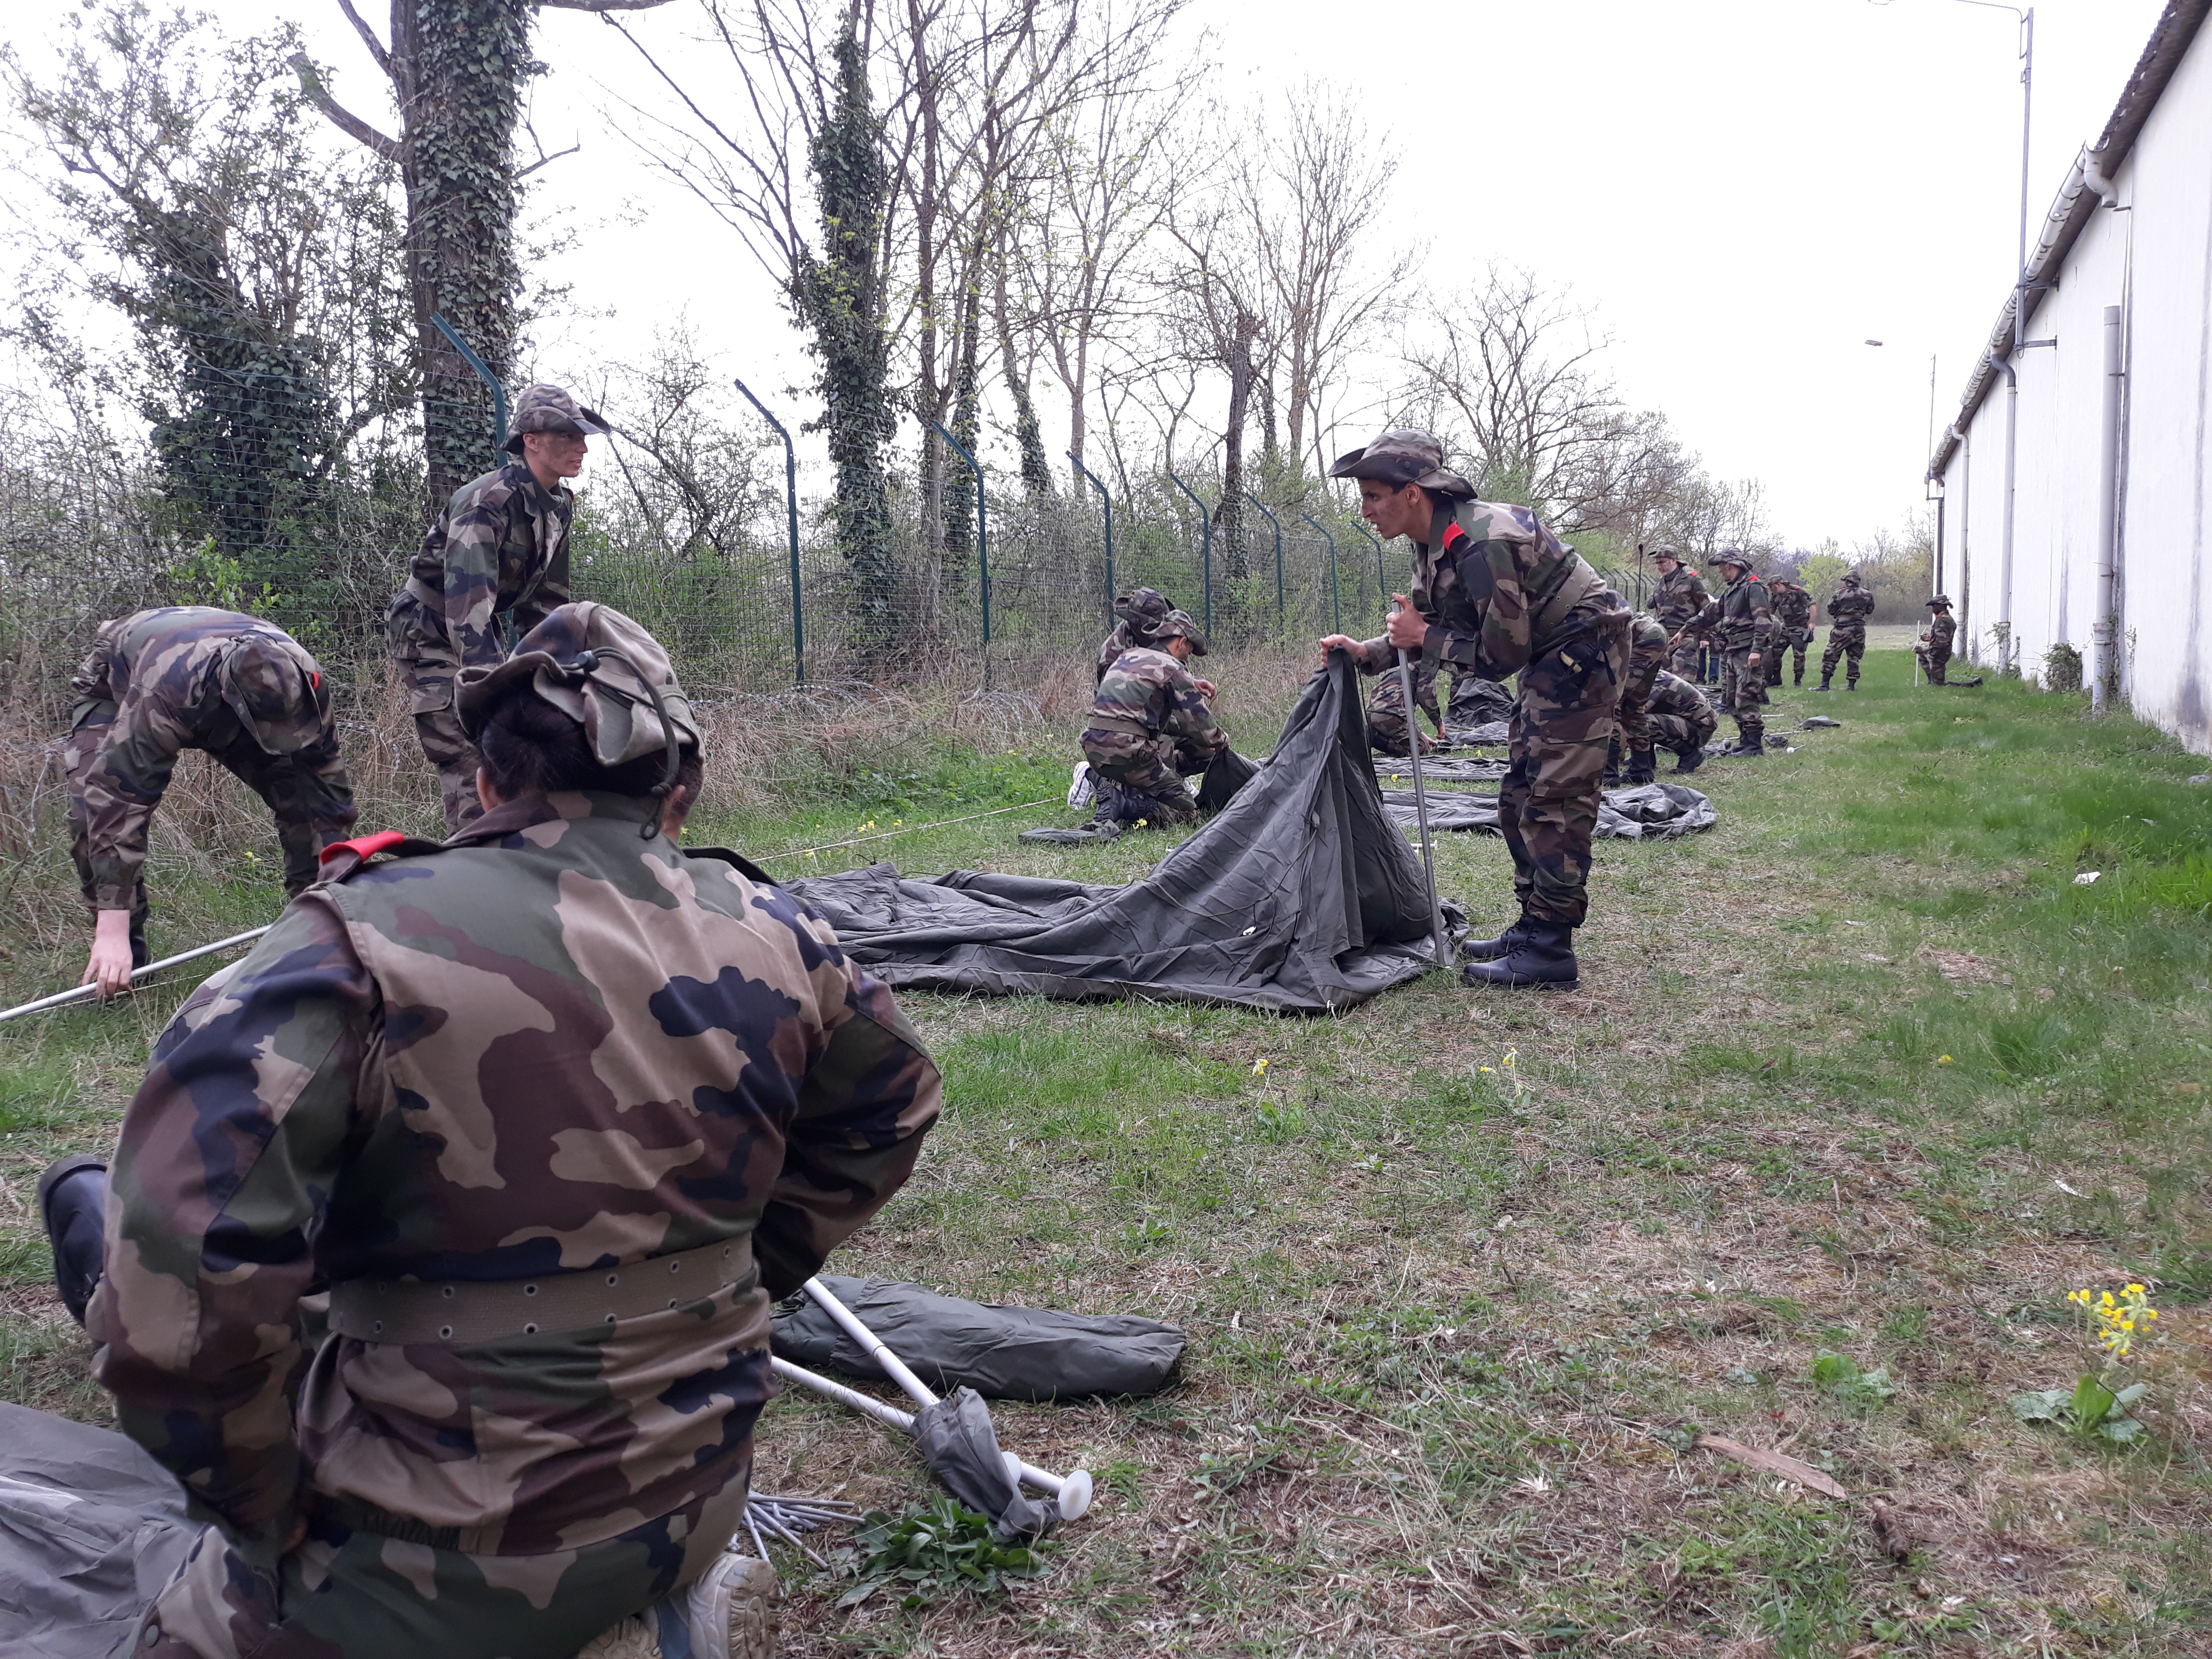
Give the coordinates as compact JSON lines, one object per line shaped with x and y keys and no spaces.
{"x":1865,"y":1072}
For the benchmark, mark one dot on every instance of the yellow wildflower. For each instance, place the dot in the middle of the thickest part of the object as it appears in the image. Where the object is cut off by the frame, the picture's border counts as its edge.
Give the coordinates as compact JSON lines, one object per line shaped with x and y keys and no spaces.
{"x":1260,"y":1066}
{"x":1943,"y":1060}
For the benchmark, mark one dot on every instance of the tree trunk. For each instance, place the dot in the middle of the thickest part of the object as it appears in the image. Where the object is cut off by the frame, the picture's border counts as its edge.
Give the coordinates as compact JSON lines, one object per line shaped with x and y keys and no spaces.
{"x":960,"y":482}
{"x":1229,"y":516}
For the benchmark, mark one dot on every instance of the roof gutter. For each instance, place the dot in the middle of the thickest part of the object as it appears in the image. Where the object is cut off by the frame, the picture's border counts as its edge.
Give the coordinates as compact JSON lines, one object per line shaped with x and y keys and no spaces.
{"x":2088,"y":186}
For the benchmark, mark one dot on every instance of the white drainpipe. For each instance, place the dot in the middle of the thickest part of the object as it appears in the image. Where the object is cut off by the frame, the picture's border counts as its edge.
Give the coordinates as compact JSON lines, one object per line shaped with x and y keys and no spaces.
{"x":2104,"y":624}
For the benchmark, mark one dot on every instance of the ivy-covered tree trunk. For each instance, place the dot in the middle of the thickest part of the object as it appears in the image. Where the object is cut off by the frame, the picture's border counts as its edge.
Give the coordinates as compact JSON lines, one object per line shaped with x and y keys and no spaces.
{"x":839,"y":297}
{"x":466,"y":61}
{"x":960,"y":479}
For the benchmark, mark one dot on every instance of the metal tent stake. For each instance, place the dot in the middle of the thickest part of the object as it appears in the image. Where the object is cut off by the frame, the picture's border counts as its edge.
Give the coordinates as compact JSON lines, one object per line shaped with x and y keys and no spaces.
{"x":86,"y":993}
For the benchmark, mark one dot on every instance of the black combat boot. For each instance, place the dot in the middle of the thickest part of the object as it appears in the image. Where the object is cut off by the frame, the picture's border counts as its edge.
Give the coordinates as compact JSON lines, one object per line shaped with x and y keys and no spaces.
{"x":1800,"y":680}
{"x":1823,"y":685}
{"x":1544,"y":954}
{"x":1489,"y":950}
{"x":1642,"y":768}
{"x":73,"y":1205}
{"x":1689,"y":759}
{"x":1751,"y":742}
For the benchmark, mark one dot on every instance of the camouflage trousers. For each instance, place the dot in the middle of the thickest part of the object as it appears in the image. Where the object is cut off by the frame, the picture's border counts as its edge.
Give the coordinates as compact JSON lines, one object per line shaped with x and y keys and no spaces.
{"x":1937,"y":660}
{"x":1143,"y":777}
{"x":307,"y":793}
{"x":1386,"y":709}
{"x":1562,"y":724}
{"x":1787,"y":640}
{"x":347,"y":1593}
{"x":1845,"y":638}
{"x":1681,"y":733}
{"x":426,"y":659}
{"x":1741,"y":683}
{"x":1682,"y":660}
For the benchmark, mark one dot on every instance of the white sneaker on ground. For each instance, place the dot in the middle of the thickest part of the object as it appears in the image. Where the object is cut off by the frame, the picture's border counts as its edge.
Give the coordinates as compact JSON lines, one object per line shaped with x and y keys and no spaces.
{"x":1082,"y":790}
{"x":729,"y":1614}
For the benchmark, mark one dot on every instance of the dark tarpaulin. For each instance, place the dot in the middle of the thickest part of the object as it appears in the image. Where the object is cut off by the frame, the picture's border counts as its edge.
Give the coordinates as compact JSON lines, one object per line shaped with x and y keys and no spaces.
{"x":1003,"y":1353}
{"x":1301,"y":896}
{"x":91,"y":1527}
{"x":1643,"y":811}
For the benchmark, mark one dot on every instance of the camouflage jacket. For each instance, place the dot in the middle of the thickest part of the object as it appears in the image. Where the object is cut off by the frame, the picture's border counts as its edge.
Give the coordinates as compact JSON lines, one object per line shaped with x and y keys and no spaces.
{"x":551,"y":1046}
{"x":1942,"y":630}
{"x":152,"y":681}
{"x":1497,"y":589}
{"x":1850,"y":608}
{"x":1647,"y":650}
{"x":1676,"y":598}
{"x":1672,"y":695}
{"x":1149,"y":688}
{"x":1791,"y":604}
{"x":1739,"y":619}
{"x":501,"y":544}
{"x":1123,"y":638}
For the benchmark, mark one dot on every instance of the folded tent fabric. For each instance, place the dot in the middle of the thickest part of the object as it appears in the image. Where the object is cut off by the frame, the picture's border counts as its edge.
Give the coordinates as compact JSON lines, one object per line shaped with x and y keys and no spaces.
{"x":1001,"y":1352}
{"x":1300,"y":896}
{"x":1645,"y":812}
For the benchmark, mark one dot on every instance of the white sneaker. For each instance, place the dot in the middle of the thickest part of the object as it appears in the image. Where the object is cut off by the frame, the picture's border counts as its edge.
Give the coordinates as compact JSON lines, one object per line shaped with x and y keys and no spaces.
{"x":731,"y":1610}
{"x":1082,"y":790}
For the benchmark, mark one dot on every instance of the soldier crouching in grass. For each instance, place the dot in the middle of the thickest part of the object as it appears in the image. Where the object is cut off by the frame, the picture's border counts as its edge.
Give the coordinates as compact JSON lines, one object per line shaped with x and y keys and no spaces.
{"x":500,"y":549}
{"x":554,"y":1112}
{"x":159,"y":683}
{"x":1495,"y":594}
{"x":1151,"y":726}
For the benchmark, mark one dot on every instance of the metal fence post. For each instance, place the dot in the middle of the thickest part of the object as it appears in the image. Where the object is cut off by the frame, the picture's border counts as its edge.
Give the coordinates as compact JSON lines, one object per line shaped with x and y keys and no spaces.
{"x":498,"y":390}
{"x":791,"y":507}
{"x":1270,"y":517}
{"x":1381,"y":581}
{"x":1205,"y":532}
{"x":1335,"y":602}
{"x":1096,"y":485}
{"x":982,"y":524}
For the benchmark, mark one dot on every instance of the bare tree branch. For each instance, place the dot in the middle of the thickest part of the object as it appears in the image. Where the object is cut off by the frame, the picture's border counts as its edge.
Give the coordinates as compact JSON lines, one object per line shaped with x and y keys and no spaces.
{"x":603,"y":6}
{"x":376,"y":50}
{"x":344,"y":119}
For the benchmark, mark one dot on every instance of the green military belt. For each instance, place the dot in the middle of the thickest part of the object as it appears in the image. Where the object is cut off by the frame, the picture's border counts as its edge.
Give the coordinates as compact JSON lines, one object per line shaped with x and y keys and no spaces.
{"x":1117,"y":723}
{"x":459,"y":1312}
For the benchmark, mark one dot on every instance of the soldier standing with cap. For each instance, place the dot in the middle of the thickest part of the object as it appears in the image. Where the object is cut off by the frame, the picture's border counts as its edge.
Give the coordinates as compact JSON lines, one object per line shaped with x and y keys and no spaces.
{"x":159,"y":683}
{"x":499,"y":547}
{"x":1675,"y":601}
{"x":554,"y":1111}
{"x":1848,"y":610}
{"x":1495,"y":594}
{"x":1151,"y":726}
{"x":1743,"y":630}
{"x":1935,"y":647}
{"x":1793,"y":612}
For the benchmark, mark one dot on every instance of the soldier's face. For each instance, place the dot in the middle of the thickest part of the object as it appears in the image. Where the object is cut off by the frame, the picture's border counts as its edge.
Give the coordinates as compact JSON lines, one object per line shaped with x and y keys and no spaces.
{"x":1667,"y":567}
{"x":559,"y":453}
{"x":1395,"y":509}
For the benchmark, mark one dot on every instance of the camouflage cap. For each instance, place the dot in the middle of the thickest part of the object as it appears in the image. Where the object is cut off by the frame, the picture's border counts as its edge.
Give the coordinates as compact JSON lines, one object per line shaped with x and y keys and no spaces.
{"x":1939,"y":603}
{"x":543,"y":407}
{"x":1735,"y":556}
{"x":1405,"y":455}
{"x":1178,"y":624}
{"x":273,"y":687}
{"x":593,"y":664}
{"x":1143,"y":609}
{"x":1850,"y":579}
{"x":1666,"y":553}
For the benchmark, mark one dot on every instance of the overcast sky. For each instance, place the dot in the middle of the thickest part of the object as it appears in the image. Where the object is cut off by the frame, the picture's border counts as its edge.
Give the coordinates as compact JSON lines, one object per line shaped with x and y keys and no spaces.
{"x":1745,"y":191}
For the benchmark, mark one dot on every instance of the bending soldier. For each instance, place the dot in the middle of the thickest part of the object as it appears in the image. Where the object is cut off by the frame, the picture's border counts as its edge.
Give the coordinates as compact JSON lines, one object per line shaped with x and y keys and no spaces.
{"x":1934,"y":648}
{"x":501,"y":547}
{"x":1151,"y":726}
{"x":1495,"y":594}
{"x":1141,"y":612}
{"x":1793,"y":612}
{"x":554,"y":1112}
{"x":1680,"y":719}
{"x":1743,"y":630}
{"x":1847,"y":613}
{"x":1676,"y":601}
{"x":1647,"y":648}
{"x":159,"y":683}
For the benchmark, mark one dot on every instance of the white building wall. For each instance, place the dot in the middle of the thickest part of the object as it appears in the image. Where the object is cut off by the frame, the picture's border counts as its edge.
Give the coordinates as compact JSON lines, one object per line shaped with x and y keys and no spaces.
{"x":2154,"y":259}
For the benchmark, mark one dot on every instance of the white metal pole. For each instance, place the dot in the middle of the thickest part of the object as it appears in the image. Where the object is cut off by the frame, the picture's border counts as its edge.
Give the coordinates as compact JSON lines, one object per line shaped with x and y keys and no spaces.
{"x":2104,"y":624}
{"x":85,"y":993}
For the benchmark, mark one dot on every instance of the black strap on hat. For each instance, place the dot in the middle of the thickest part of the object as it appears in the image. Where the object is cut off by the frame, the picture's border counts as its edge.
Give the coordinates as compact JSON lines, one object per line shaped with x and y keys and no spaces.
{"x":577,"y":672}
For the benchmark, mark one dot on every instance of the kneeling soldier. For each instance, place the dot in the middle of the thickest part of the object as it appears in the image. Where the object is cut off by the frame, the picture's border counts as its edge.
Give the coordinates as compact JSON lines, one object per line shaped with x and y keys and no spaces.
{"x":161,"y":682}
{"x":1151,"y":726}
{"x":555,"y":1112}
{"x":1678,"y":719}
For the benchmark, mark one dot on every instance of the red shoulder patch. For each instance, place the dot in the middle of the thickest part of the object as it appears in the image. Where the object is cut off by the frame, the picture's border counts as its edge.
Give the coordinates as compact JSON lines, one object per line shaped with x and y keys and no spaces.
{"x":1454,"y":535}
{"x":363,"y":847}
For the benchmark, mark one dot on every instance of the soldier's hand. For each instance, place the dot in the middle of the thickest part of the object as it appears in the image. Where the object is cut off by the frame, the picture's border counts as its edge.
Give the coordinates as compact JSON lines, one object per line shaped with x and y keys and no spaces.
{"x":1337,"y":642}
{"x":1752,"y":660}
{"x":1205,"y":686}
{"x":1409,"y":629}
{"x":108,"y":967}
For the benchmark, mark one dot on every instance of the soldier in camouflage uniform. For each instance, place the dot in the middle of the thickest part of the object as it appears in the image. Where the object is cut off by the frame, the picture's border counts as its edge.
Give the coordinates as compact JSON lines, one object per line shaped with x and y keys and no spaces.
{"x":1742,"y":631}
{"x":1141,"y":612}
{"x":1676,"y":600}
{"x":1793,"y":626}
{"x":1679,"y":718}
{"x":1647,"y":650}
{"x":159,"y":683}
{"x":1495,"y":594}
{"x":1847,"y":614}
{"x":1386,"y":710}
{"x":1151,"y":726}
{"x":498,"y":555}
{"x":1934,"y":648}
{"x":554,"y":1112}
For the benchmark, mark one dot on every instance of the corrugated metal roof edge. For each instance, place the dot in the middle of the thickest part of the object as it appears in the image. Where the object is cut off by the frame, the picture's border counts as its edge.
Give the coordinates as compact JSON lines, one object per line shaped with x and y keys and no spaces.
{"x":2071,"y":210}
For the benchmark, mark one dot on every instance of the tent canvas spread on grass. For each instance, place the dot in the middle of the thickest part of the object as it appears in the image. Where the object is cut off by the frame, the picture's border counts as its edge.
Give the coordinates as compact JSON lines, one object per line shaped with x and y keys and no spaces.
{"x":1301,"y":896}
